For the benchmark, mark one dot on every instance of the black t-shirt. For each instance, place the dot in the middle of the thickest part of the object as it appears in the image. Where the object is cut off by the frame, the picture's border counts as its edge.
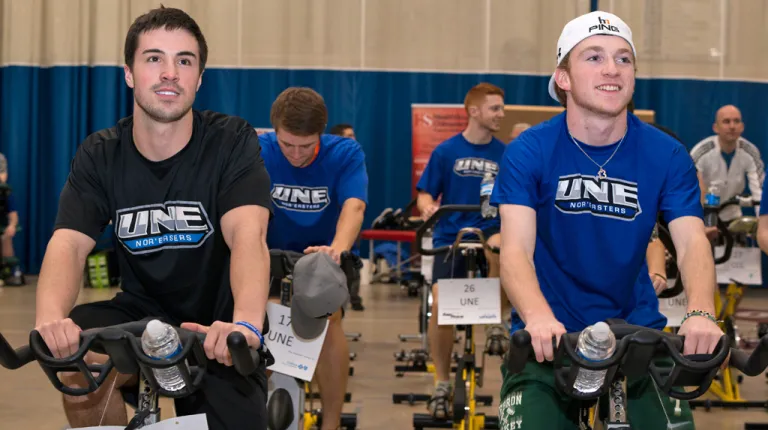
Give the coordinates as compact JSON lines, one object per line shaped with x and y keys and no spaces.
{"x":166,"y":215}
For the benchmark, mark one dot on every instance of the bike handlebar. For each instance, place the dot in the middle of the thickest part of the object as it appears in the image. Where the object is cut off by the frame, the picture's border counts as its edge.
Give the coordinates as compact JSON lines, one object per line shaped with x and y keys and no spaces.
{"x":736,"y":201}
{"x":440,"y":212}
{"x":635,"y":350}
{"x":122,"y":343}
{"x":725,"y":232}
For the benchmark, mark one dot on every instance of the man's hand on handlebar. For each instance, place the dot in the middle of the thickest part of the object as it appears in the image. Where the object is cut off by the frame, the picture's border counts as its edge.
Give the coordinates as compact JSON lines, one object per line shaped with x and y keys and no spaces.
{"x":61,"y":336}
{"x":659,"y":283}
{"x":701,"y":335}
{"x":336,"y":255}
{"x":215,"y":345}
{"x":711,"y":232}
{"x":542,"y":330}
{"x":429,"y":211}
{"x":746,"y":201}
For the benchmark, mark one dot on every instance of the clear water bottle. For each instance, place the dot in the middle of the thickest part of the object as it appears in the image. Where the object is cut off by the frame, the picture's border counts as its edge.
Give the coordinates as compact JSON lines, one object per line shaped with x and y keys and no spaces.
{"x":160,"y":340}
{"x":712,"y":203}
{"x":596,"y":343}
{"x":486,"y":189}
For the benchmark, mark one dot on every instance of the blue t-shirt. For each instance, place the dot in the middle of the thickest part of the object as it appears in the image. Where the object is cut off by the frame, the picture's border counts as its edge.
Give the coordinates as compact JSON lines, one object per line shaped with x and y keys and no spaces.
{"x":592,"y":237}
{"x":307,"y":201}
{"x":728,"y":157}
{"x":455,"y":171}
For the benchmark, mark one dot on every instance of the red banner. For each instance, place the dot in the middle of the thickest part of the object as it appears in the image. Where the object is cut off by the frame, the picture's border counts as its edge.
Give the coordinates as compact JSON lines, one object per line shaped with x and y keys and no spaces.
{"x":431,"y":125}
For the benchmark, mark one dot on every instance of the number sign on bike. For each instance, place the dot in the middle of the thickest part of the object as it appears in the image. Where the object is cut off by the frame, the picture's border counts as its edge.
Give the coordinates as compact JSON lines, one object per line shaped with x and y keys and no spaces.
{"x":743,"y":266}
{"x":294,"y":356}
{"x":468,"y":301}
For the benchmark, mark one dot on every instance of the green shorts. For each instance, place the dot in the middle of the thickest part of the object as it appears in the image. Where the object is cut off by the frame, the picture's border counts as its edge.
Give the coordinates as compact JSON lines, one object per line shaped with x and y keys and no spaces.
{"x":531,"y":401}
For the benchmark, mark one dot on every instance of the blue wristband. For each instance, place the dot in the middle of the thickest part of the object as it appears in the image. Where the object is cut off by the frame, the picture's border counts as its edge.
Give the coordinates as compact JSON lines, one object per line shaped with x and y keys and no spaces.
{"x":255,"y":330}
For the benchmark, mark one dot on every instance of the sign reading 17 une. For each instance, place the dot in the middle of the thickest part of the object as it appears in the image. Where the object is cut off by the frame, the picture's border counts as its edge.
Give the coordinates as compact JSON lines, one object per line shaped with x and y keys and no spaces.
{"x":294,"y":356}
{"x":468,"y":301}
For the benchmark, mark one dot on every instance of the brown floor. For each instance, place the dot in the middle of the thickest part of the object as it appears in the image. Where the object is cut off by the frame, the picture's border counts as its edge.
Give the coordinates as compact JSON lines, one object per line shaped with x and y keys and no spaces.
{"x":28,"y":401}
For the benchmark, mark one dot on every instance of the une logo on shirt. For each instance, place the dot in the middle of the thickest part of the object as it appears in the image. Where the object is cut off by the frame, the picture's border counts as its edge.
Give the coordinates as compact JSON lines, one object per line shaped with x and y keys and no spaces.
{"x":609,"y":197}
{"x":472,"y":166}
{"x":302,"y":199}
{"x":169,"y":225}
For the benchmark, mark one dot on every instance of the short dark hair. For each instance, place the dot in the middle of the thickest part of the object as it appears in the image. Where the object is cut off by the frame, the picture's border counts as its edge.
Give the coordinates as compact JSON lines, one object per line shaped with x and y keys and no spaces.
{"x":338,"y":129}
{"x":170,"y":19}
{"x":300,"y":111}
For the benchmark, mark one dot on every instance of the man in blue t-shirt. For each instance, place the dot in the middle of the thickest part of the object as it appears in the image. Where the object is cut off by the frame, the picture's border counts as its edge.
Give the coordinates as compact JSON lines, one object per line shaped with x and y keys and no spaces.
{"x":578,"y":197}
{"x":453,"y":175}
{"x":319,"y":194}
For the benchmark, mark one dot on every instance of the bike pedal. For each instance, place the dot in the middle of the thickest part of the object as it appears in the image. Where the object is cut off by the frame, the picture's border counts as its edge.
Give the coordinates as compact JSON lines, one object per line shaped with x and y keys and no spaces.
{"x":421,"y":421}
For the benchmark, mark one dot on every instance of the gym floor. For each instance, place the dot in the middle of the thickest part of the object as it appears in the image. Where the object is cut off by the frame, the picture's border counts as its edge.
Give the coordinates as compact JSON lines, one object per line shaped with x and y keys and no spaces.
{"x":27,"y":399}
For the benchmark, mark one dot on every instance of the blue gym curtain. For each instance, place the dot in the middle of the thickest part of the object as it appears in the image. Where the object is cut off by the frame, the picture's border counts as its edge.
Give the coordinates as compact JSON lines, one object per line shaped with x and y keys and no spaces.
{"x":46,"y":112}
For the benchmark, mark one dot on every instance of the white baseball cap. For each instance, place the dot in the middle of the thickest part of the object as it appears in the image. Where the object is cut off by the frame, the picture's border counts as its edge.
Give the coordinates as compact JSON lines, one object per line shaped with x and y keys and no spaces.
{"x":584,"y":26}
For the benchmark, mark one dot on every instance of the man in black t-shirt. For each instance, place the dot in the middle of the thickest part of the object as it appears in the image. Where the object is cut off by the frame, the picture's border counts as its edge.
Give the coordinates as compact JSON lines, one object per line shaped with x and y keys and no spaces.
{"x":188,"y":197}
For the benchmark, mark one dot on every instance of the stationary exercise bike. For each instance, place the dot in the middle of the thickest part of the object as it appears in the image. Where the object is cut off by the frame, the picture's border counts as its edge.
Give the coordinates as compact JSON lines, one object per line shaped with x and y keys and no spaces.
{"x":286,"y":404}
{"x":741,"y":231}
{"x":637,"y":352}
{"x":122,"y":343}
{"x":417,"y":360}
{"x":468,"y":373}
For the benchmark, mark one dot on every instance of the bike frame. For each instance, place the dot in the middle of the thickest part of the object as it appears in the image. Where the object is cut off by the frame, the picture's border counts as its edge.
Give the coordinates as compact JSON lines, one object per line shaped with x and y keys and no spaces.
{"x":468,"y":378}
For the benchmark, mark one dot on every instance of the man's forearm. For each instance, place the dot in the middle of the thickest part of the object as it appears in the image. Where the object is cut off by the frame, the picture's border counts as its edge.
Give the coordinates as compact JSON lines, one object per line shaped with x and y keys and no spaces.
{"x":656,"y":257}
{"x":249,"y":275}
{"x":13,"y":219}
{"x":348,"y":226}
{"x":697,"y":269}
{"x":59,"y":282}
{"x":518,"y":278}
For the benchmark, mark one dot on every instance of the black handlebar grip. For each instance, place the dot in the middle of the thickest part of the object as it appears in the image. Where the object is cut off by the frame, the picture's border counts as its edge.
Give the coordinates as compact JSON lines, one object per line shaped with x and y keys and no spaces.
{"x":666,"y":239}
{"x":723,"y":229}
{"x":13,"y":359}
{"x":245,"y":359}
{"x":753,"y":364}
{"x":519,"y":351}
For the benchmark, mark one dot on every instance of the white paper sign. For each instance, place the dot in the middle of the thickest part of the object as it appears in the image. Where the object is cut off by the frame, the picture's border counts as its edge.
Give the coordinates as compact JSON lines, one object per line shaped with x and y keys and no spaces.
{"x":674,"y":308}
{"x":189,"y":422}
{"x":468,"y":301}
{"x":427,"y":260}
{"x":743,"y":266}
{"x":294,"y":356}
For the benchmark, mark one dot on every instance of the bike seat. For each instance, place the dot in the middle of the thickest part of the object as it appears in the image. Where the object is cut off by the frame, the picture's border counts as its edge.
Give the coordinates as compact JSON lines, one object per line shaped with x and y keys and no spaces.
{"x":743,"y":225}
{"x":279,"y":418}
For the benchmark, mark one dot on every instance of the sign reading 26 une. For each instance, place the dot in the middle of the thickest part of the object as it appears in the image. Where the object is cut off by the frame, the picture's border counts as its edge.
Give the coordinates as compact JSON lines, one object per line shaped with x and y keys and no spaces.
{"x":469,"y":301}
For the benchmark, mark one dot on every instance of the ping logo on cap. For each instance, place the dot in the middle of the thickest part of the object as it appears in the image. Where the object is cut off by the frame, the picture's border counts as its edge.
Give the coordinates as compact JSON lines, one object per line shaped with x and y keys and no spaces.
{"x":604,"y":24}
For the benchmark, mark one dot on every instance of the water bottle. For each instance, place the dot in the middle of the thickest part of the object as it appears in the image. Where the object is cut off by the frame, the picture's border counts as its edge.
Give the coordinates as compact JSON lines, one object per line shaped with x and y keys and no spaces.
{"x":596,"y":343}
{"x":486,"y":189}
{"x":160,"y":340}
{"x":712,"y":203}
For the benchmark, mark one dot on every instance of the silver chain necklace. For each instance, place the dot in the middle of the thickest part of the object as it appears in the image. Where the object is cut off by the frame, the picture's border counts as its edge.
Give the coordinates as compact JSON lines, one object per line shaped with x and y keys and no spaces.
{"x":601,"y":174}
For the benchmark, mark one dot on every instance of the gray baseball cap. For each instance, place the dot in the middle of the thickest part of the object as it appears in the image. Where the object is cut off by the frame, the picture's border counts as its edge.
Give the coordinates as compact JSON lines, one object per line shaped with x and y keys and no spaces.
{"x":319,"y":290}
